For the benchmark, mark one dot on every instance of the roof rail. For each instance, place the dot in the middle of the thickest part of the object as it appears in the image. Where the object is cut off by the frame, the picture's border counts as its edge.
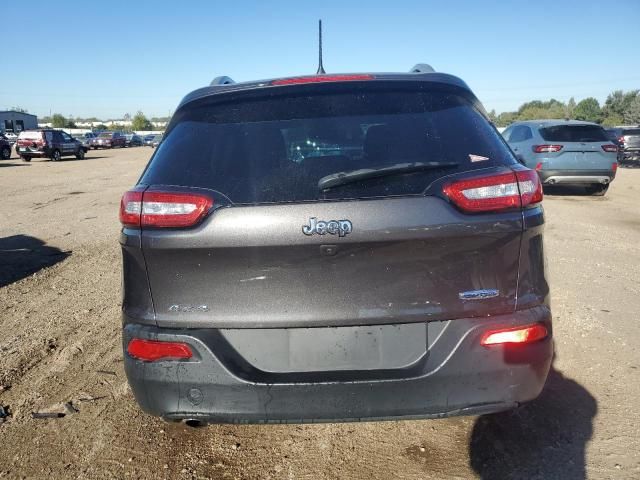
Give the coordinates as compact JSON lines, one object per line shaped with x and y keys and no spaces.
{"x":422,"y":68}
{"x":221,"y":81}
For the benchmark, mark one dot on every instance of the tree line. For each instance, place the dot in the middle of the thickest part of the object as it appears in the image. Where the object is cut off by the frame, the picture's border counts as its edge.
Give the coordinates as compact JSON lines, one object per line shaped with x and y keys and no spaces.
{"x":620,"y":108}
{"x":138,"y":122}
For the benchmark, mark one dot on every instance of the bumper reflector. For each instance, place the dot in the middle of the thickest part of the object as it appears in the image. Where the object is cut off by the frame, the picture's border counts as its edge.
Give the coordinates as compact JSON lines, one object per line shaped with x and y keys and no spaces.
{"x":151,"y":350}
{"x":520,"y":335}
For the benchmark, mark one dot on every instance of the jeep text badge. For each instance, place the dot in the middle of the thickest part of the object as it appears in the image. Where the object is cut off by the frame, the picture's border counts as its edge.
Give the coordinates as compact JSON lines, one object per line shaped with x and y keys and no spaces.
{"x":333,"y":227}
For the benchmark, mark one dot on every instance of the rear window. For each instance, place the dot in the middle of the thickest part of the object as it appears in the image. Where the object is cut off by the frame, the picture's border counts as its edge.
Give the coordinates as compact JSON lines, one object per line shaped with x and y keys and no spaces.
{"x":264,"y":151}
{"x":33,"y":135}
{"x":574,"y":133}
{"x":631,"y":132}
{"x":105,"y":135}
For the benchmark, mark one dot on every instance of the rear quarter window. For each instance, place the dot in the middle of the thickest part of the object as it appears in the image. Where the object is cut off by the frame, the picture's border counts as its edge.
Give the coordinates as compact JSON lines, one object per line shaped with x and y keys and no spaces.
{"x":574,"y":133}
{"x":30,"y":135}
{"x":276,"y":150}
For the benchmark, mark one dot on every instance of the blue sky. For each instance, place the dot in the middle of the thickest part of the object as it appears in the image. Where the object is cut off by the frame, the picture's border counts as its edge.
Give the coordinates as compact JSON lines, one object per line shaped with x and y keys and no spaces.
{"x":105,"y":59}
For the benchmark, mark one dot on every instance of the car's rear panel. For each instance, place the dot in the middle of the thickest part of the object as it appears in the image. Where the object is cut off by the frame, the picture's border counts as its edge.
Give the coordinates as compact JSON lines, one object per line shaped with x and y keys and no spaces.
{"x":582,"y":147}
{"x":33,"y":143}
{"x":378,"y":318}
{"x":407,"y":259}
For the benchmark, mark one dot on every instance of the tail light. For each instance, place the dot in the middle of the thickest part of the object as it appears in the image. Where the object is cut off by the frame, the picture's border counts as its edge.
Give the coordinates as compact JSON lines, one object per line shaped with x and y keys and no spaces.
{"x":530,"y":187}
{"x":163,"y":209}
{"x":609,"y":148}
{"x":153,"y":350}
{"x":517,"y":335}
{"x":321,"y":78}
{"x":621,"y":140}
{"x":547,"y":148}
{"x":495,"y":192}
{"x":614,"y":167}
{"x":538,"y":166}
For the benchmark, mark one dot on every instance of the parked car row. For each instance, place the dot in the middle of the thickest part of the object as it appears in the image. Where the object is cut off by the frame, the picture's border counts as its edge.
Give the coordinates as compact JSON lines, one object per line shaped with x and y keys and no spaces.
{"x":55,"y":144}
{"x":566,"y":152}
{"x":95,"y":140}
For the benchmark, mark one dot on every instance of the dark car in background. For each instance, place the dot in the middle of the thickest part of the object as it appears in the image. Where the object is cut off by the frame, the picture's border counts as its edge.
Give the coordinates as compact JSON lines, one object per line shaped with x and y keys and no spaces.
{"x":147,"y":140}
{"x":133,"y":140}
{"x":566,"y":152}
{"x":109,"y":140}
{"x":155,"y":141}
{"x":395,"y":270}
{"x":10,"y":136}
{"x":48,"y":143}
{"x":628,"y":141}
{"x":5,"y":148}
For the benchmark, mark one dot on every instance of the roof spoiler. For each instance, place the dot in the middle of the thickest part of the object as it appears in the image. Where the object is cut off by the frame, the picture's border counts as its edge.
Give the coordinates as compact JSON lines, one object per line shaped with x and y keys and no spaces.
{"x":422,"y":68}
{"x":418,"y":68}
{"x":221,"y":81}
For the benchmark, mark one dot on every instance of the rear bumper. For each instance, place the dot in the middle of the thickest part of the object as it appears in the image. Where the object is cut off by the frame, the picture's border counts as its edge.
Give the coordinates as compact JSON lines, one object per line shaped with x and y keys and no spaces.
{"x":457,"y":376}
{"x":33,"y":153}
{"x":576,"y":177}
{"x":630,"y":155}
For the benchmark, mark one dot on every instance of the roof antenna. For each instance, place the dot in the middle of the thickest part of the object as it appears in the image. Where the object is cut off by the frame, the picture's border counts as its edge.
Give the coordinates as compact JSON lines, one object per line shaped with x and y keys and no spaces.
{"x":320,"y":67}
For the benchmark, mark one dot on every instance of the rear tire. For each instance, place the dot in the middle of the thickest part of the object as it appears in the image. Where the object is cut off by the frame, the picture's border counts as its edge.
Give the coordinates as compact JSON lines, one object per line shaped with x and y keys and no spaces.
{"x":80,"y":154}
{"x":55,"y":156}
{"x":597,"y":190}
{"x":5,"y":153}
{"x":25,"y":159}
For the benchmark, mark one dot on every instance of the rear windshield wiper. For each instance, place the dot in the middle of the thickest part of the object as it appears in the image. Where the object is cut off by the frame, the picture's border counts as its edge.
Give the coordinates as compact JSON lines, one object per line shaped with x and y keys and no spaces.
{"x":344,"y":178}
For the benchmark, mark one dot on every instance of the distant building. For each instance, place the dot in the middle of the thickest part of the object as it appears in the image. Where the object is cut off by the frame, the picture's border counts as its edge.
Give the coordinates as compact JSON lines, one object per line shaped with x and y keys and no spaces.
{"x":17,"y":121}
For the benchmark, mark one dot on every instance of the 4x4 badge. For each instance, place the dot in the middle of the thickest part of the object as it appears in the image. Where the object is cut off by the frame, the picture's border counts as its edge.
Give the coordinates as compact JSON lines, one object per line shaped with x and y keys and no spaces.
{"x":333,"y":227}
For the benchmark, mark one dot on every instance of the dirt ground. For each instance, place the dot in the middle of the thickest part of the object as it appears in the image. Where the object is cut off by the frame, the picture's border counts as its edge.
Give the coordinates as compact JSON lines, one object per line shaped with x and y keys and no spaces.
{"x":60,"y":342}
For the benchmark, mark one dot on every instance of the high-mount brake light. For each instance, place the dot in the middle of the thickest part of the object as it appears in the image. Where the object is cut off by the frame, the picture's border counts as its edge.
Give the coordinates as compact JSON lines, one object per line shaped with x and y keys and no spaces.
{"x":159,"y":209}
{"x":153,"y":350}
{"x":497,"y":192}
{"x":517,"y":335}
{"x":547,"y":148}
{"x":321,"y":79}
{"x":609,"y":148}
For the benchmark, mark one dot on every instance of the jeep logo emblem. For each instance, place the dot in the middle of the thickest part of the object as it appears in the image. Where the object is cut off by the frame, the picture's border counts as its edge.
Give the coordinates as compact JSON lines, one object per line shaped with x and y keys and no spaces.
{"x":332,"y":227}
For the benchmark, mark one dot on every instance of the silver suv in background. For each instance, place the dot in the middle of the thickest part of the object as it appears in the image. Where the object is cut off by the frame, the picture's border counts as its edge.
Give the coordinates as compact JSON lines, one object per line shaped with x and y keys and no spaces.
{"x":565,"y":152}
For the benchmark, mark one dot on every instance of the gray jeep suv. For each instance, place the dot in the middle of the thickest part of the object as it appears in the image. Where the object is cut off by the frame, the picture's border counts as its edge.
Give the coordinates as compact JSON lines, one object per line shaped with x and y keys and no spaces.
{"x":334,"y":247}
